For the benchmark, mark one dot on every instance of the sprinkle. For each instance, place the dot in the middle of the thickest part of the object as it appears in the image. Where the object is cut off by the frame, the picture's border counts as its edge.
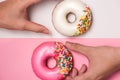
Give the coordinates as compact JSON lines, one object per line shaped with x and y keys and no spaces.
{"x":84,"y":22}
{"x":64,"y":58}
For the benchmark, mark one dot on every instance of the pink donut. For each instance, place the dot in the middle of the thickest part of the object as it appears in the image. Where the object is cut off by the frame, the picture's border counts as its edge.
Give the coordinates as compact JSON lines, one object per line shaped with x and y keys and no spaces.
{"x":56,"y":50}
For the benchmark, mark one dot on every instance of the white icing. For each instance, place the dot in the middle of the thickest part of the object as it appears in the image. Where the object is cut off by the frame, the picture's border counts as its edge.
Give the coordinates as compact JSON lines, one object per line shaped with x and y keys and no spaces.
{"x":60,"y":12}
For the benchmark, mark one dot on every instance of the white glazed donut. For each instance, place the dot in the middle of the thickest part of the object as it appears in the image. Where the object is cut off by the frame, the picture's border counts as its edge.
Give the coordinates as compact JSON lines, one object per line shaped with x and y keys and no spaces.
{"x":83,"y":17}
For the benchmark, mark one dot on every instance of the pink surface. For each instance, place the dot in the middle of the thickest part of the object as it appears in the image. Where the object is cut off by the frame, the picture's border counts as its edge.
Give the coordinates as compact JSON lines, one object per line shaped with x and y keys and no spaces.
{"x":15,"y":56}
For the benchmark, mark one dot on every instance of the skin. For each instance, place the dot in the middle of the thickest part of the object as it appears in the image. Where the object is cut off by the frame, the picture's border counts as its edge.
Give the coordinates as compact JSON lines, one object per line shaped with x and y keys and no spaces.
{"x":104,"y":61}
{"x":13,"y":15}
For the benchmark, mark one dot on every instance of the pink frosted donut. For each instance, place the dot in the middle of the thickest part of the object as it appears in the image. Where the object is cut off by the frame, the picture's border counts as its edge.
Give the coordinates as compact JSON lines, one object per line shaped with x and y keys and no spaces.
{"x":56,"y":50}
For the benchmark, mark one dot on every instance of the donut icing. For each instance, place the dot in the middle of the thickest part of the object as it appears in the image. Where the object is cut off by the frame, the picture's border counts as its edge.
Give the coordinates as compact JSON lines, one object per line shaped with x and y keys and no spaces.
{"x":64,"y":59}
{"x":82,"y":13}
{"x":84,"y":23}
{"x":56,"y":50}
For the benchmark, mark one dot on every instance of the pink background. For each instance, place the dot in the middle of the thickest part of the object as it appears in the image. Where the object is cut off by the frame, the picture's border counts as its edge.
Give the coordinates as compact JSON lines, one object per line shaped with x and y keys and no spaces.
{"x":15,"y":56}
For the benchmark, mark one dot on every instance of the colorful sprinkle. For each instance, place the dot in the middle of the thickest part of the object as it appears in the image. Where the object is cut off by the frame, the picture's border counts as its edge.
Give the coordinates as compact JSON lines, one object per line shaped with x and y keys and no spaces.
{"x":64,"y":58}
{"x":84,"y":23}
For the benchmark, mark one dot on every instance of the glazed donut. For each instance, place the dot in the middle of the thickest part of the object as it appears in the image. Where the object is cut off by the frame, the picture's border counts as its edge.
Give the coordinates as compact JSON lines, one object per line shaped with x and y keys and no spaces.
{"x":56,"y":50}
{"x":82,"y":13}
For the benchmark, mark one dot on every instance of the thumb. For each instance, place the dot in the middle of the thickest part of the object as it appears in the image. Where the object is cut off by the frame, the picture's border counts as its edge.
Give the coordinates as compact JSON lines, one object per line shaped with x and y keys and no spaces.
{"x":78,"y":48}
{"x":30,"y":26}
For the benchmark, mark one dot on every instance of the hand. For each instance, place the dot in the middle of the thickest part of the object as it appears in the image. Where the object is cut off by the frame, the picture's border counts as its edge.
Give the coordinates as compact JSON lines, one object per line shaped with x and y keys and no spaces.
{"x":103,"y":60}
{"x":13,"y":15}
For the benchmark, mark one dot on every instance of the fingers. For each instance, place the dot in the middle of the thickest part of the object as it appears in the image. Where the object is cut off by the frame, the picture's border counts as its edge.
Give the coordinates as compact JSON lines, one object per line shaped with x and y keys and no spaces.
{"x":69,"y":78}
{"x":87,"y":74}
{"x":79,"y":48}
{"x":82,"y":70}
{"x":74,"y":72}
{"x":30,"y":26}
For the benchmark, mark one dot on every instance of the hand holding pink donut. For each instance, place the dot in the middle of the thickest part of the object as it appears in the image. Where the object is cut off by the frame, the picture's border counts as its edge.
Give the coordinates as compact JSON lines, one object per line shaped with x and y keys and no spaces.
{"x":104,"y":61}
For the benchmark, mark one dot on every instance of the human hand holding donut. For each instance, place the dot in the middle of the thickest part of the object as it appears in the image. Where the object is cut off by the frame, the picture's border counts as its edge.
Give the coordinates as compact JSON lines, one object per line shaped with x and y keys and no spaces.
{"x":13,"y":15}
{"x":104,"y":61}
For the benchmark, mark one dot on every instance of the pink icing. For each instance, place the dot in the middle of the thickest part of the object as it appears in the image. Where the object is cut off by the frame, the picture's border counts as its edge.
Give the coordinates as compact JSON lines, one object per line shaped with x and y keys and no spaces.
{"x":39,"y":62}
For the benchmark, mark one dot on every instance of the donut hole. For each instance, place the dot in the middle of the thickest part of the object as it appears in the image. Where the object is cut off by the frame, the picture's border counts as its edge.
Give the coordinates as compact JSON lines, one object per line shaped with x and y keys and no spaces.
{"x":51,"y":62}
{"x":71,"y":17}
